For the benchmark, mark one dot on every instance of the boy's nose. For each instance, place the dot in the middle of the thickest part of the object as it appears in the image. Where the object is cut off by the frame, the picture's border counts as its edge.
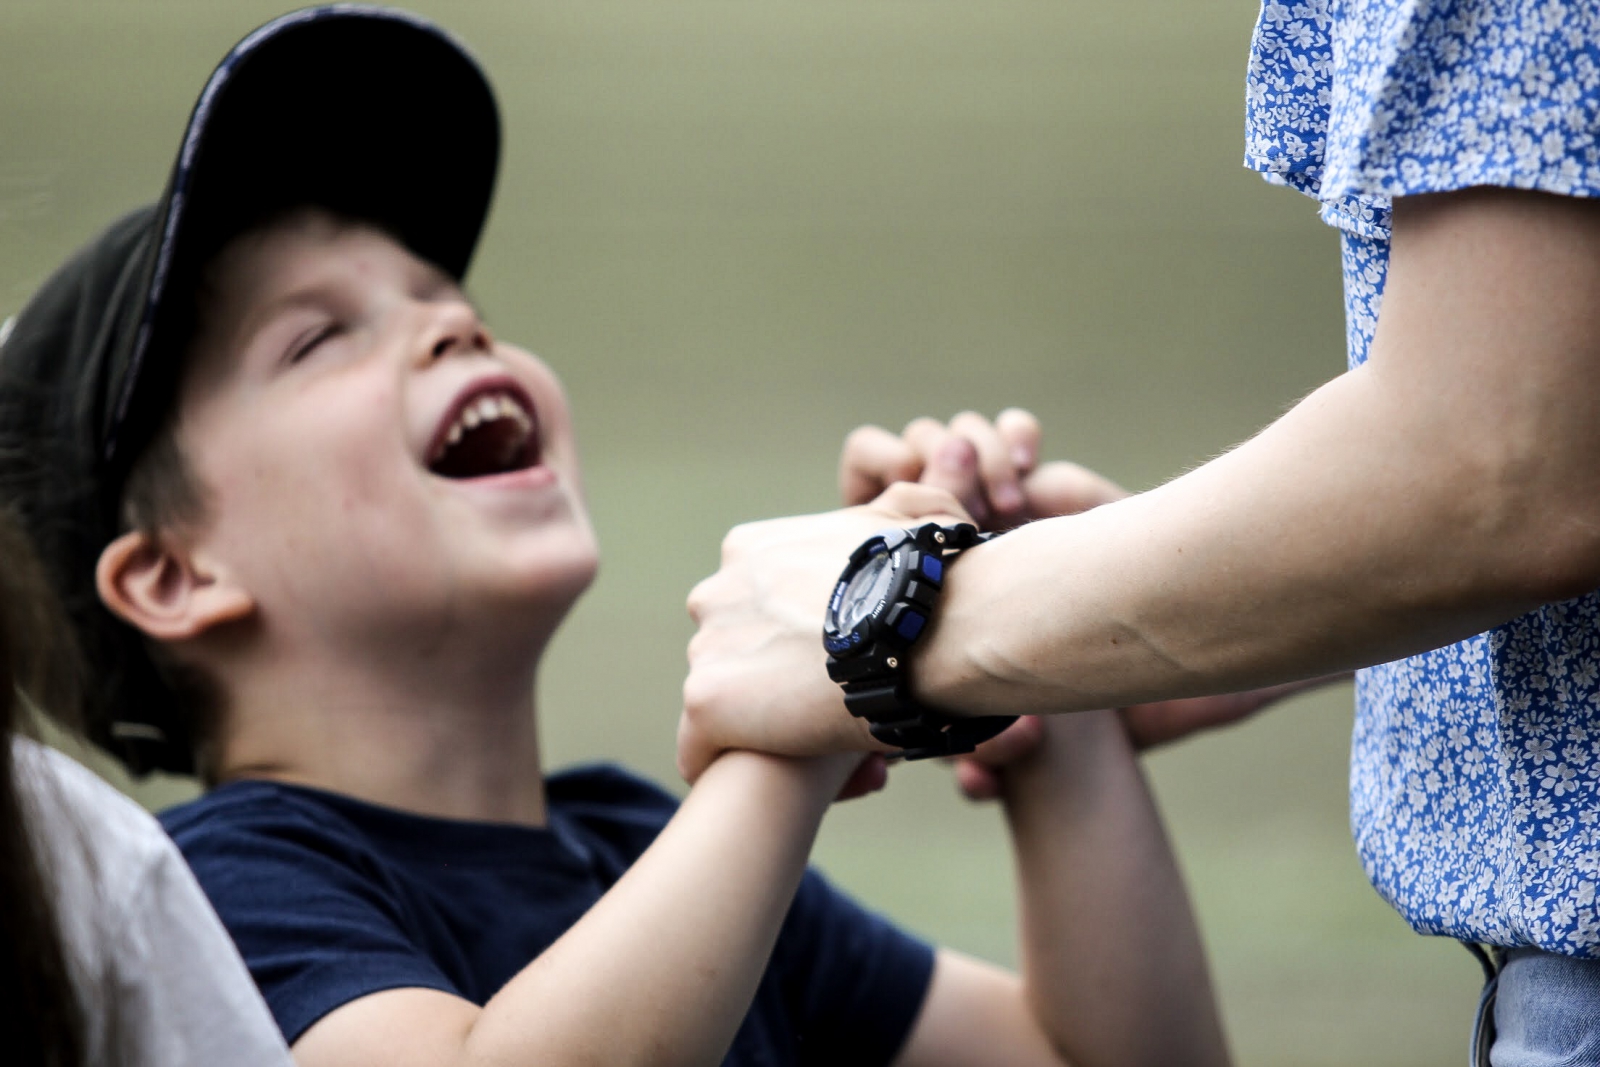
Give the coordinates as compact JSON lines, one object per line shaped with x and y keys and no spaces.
{"x":455,"y":329}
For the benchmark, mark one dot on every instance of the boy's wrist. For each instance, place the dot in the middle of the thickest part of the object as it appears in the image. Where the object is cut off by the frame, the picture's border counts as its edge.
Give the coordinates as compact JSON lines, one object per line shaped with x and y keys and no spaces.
{"x":1071,"y":741}
{"x":822,"y":777}
{"x":814,"y":780}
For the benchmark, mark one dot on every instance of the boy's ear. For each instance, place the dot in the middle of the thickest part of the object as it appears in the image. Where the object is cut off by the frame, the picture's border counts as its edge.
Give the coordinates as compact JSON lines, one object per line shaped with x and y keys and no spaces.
{"x":159,"y":588}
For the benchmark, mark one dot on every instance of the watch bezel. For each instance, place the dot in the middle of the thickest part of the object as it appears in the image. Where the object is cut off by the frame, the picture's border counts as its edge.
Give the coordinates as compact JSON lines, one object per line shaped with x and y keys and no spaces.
{"x":914,"y":585}
{"x":866,"y":659}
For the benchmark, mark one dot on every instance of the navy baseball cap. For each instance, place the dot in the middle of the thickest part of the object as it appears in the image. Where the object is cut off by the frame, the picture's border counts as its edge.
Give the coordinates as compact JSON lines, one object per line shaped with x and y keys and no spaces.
{"x":370,"y":112}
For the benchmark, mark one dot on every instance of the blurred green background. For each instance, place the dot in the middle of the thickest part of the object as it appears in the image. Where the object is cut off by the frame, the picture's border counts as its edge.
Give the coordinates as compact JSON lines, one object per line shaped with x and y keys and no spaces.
{"x":739,"y":229}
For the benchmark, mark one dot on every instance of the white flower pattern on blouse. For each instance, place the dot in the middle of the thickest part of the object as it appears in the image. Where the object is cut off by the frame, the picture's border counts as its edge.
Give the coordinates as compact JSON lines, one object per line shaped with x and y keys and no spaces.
{"x":1475,"y":769}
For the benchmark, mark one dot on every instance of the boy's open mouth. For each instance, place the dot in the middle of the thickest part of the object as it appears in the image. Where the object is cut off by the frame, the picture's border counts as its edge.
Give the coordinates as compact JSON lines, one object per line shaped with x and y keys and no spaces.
{"x":491,"y":430}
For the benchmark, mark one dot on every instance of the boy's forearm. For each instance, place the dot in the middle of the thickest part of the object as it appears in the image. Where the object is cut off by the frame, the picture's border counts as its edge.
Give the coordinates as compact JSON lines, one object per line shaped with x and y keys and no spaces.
{"x":1112,"y":962}
{"x":663,"y":969}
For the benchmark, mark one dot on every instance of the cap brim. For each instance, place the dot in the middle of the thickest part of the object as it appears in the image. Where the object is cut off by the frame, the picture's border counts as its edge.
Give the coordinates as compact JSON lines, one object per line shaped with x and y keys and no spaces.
{"x":370,"y":112}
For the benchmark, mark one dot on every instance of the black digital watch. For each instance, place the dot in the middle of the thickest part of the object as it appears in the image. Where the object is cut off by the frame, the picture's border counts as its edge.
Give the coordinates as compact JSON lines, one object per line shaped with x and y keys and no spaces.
{"x":879,"y":608}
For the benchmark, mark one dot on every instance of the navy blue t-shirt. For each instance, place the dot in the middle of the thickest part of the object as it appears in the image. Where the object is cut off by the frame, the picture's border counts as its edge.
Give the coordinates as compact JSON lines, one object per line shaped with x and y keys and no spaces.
{"x":330,"y":899}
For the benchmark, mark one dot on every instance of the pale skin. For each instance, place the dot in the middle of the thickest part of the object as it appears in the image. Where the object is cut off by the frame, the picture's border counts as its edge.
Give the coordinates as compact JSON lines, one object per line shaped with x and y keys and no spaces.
{"x":1444,"y":487}
{"x":395,"y":662}
{"x":992,"y":469}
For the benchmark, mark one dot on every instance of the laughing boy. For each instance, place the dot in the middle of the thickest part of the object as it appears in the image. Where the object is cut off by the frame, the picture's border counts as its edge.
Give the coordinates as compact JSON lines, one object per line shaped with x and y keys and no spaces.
{"x":317,"y":525}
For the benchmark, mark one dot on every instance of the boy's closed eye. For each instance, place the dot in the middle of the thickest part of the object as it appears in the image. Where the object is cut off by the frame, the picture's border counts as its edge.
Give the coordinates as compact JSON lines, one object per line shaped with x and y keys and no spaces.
{"x":308,"y":340}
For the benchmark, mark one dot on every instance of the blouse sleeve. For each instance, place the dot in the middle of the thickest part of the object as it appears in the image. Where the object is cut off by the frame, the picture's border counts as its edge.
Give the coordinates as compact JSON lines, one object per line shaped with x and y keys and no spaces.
{"x":1356,"y":102}
{"x":1437,"y":95}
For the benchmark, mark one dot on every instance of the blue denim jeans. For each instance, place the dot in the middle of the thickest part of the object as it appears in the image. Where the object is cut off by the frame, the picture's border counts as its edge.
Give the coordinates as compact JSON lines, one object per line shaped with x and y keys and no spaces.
{"x":1545,"y":1011}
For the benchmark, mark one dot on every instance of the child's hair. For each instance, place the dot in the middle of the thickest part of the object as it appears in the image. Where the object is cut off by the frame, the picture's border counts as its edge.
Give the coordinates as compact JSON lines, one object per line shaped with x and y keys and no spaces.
{"x":162,"y":495}
{"x":129,"y":709}
{"x":41,"y":1013}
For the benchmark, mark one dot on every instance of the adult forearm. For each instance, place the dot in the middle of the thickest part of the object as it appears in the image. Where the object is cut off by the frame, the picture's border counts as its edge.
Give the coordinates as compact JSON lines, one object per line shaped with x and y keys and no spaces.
{"x":662,"y":970}
{"x":1112,"y":962}
{"x":1244,"y":572}
{"x":1448,"y":484}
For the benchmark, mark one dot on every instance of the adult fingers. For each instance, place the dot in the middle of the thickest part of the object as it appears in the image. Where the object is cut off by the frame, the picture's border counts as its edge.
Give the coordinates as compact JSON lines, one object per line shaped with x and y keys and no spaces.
{"x":1062,"y":488}
{"x":950,"y":462}
{"x":872,"y":459}
{"x":976,"y":781}
{"x":979,"y":773}
{"x":1020,"y":432}
{"x":996,"y":471}
{"x":1149,"y":725}
{"x":918,"y":501}
{"x":870,"y":775}
{"x":1019,"y":739}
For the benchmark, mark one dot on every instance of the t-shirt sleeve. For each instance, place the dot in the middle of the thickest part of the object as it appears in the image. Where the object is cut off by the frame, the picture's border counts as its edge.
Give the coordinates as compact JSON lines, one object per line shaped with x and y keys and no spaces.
{"x":312,"y":914}
{"x":856,"y":982}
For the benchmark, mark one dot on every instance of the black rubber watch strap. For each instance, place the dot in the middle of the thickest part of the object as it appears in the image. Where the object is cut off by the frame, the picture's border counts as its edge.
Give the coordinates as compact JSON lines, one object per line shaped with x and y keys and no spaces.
{"x":924,"y":740}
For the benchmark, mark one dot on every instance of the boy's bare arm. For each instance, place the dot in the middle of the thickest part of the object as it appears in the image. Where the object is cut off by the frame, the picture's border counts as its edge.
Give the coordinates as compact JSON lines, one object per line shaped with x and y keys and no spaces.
{"x":661,"y":971}
{"x":1112,"y":967}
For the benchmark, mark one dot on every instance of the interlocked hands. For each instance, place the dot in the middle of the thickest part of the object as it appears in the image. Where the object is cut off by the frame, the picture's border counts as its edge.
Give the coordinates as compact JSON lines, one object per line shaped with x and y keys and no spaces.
{"x":757,"y":678}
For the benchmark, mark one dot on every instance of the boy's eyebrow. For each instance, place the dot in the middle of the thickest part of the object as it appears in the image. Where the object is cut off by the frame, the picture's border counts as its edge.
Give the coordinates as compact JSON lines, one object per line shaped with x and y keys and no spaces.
{"x":315,"y":295}
{"x":258,"y":318}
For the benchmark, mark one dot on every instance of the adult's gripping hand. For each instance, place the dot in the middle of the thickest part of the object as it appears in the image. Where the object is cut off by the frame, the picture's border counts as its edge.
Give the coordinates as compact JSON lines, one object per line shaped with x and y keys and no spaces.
{"x":757,"y":672}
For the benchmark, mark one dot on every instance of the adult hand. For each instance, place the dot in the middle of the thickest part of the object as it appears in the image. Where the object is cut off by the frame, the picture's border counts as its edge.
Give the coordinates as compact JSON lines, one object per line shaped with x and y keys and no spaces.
{"x":980,"y":774}
{"x":991,"y":467}
{"x":757,"y":674}
{"x":1149,"y":725}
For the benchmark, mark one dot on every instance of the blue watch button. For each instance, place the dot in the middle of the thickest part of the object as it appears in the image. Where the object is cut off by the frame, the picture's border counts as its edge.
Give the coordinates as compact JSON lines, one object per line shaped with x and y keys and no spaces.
{"x":910,"y":625}
{"x":933,"y":568}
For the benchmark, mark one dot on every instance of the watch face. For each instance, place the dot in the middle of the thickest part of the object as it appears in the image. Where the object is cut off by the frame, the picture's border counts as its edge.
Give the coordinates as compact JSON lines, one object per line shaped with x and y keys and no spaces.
{"x":866,"y":590}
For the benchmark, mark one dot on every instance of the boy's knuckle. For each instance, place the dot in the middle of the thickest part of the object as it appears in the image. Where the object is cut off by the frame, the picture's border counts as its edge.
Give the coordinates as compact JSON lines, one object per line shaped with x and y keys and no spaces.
{"x":736,"y":541}
{"x":699,"y":599}
{"x":699,"y":692}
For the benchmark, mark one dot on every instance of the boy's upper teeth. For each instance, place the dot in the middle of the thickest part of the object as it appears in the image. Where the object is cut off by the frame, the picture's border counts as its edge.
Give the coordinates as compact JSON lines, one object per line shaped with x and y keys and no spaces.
{"x":487,"y":408}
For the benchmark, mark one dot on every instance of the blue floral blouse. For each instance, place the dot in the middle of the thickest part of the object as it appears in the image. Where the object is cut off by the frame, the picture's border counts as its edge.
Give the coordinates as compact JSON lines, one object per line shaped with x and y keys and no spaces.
{"x":1475,"y":769}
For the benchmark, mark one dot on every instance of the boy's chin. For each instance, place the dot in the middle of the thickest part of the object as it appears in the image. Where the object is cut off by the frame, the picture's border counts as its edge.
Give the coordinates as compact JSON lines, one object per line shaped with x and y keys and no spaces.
{"x":555,"y":584}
